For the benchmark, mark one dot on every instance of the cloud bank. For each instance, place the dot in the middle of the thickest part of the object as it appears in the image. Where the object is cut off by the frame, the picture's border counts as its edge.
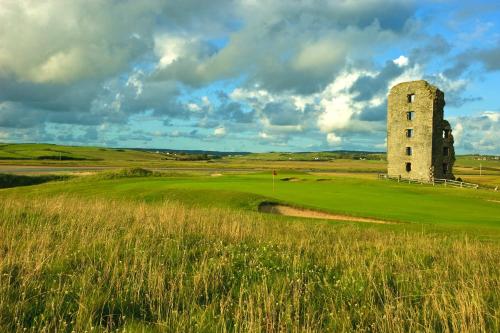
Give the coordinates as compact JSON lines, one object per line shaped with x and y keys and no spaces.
{"x":237,"y":74}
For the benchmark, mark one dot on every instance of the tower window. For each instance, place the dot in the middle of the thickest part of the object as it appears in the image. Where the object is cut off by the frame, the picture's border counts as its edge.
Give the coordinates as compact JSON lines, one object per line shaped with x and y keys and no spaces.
{"x":408,"y":167}
{"x":410,"y":115}
{"x":446,"y":134}
{"x":445,"y":168}
{"x":446,"y":151}
{"x":411,"y":98}
{"x":409,"y":132}
{"x":409,"y":151}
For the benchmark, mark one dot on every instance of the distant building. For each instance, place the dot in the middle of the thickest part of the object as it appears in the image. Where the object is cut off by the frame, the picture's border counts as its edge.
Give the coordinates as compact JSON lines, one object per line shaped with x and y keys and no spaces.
{"x":419,"y":140}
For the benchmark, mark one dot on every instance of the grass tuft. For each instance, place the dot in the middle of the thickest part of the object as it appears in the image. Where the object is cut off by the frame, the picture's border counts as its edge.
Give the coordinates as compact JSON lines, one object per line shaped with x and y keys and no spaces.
{"x":126,"y":173}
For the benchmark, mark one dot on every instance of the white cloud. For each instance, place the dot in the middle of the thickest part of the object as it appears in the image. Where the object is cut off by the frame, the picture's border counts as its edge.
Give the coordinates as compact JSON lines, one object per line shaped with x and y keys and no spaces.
{"x":491,"y":115}
{"x":413,"y":73}
{"x":264,"y":135}
{"x":458,"y":131}
{"x":339,"y":107}
{"x":135,"y":81}
{"x":220,"y":131}
{"x":193,"y":107}
{"x":170,"y":48}
{"x":449,"y":85}
{"x":337,"y":112}
{"x":401,"y":61}
{"x":478,"y":133}
{"x":333,"y":139}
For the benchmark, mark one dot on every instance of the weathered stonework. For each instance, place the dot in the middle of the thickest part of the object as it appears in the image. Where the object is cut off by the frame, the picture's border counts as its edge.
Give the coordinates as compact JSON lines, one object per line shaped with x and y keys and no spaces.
{"x":425,"y":151}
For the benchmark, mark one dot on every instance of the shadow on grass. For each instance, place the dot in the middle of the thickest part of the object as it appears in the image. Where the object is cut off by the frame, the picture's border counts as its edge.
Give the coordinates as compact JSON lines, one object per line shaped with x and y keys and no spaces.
{"x":8,"y":180}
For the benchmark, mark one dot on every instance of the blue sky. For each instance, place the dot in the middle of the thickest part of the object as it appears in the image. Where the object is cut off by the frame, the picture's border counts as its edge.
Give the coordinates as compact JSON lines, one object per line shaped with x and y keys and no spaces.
{"x":242,"y":75}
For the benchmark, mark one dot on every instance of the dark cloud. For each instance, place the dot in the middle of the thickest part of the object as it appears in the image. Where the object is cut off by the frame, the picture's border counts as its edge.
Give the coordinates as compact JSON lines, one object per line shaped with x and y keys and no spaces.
{"x":377,"y":113}
{"x":282,"y":114}
{"x":433,"y":46}
{"x":366,"y":87}
{"x":233,"y":111}
{"x":490,"y":58}
{"x":13,"y":115}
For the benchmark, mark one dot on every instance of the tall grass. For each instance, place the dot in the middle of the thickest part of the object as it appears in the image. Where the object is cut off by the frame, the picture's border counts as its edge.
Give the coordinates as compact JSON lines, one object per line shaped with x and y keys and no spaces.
{"x":68,"y":264}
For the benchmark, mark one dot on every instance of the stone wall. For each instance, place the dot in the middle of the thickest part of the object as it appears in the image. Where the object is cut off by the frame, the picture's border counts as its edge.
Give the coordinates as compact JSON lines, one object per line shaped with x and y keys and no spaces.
{"x":426,"y":145}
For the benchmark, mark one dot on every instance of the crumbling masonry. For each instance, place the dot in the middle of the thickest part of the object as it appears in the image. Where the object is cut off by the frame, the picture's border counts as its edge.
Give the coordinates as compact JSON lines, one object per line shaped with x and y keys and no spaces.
{"x":419,"y":140}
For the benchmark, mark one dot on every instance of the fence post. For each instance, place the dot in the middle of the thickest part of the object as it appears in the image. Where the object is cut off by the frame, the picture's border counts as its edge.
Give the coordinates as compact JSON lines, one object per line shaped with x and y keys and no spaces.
{"x":461,"y":184}
{"x":445,"y":183}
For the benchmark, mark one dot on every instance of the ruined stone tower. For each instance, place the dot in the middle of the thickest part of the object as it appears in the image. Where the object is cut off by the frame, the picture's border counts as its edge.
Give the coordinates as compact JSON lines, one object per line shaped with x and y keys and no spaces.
{"x":419,"y":140}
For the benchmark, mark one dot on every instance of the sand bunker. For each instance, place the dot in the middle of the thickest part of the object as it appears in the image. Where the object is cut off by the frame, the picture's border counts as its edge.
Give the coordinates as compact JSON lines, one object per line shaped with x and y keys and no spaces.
{"x":273,"y":208}
{"x":291,"y":179}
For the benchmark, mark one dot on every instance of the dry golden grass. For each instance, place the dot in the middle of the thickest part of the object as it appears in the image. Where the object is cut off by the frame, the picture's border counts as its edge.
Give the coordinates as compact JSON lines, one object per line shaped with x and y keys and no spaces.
{"x":67,"y":264}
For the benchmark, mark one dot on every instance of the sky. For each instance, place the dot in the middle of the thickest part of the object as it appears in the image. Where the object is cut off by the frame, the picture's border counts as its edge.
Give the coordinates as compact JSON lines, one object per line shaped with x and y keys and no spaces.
{"x":242,"y":75}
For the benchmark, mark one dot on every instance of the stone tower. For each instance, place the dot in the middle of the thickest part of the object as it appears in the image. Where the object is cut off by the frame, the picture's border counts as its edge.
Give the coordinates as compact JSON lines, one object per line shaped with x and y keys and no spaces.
{"x":419,"y":140}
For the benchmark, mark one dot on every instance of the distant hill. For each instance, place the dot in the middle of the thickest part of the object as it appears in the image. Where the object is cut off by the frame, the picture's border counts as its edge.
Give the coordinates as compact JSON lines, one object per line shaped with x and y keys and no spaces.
{"x":194,"y":152}
{"x":35,"y":151}
{"x":318,"y":156}
{"x":53,"y":152}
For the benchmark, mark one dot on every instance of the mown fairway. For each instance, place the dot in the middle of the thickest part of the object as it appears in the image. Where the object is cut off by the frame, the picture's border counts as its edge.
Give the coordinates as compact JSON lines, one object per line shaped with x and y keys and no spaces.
{"x":422,"y":205}
{"x":186,"y":252}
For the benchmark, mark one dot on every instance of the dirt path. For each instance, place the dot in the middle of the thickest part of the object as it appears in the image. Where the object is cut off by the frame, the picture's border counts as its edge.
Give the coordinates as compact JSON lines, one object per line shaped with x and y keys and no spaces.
{"x":267,"y":207}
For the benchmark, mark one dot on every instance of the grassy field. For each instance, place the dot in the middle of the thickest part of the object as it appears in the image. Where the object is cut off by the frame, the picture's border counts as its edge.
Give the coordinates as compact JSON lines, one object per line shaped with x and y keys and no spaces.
{"x":467,"y":167}
{"x":187,"y":250}
{"x":423,"y":204}
{"x":151,"y":252}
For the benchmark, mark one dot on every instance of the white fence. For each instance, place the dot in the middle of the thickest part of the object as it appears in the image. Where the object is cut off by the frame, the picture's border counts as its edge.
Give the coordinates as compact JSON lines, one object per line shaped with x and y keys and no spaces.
{"x":444,"y":182}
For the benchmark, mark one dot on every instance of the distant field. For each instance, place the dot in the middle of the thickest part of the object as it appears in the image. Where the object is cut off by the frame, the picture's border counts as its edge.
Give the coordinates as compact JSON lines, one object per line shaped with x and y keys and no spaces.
{"x":467,"y":166}
{"x":57,"y":153}
{"x":135,"y":250}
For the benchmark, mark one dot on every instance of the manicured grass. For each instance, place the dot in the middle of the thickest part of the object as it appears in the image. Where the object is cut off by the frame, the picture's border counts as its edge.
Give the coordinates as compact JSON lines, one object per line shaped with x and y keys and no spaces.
{"x":475,"y":211}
